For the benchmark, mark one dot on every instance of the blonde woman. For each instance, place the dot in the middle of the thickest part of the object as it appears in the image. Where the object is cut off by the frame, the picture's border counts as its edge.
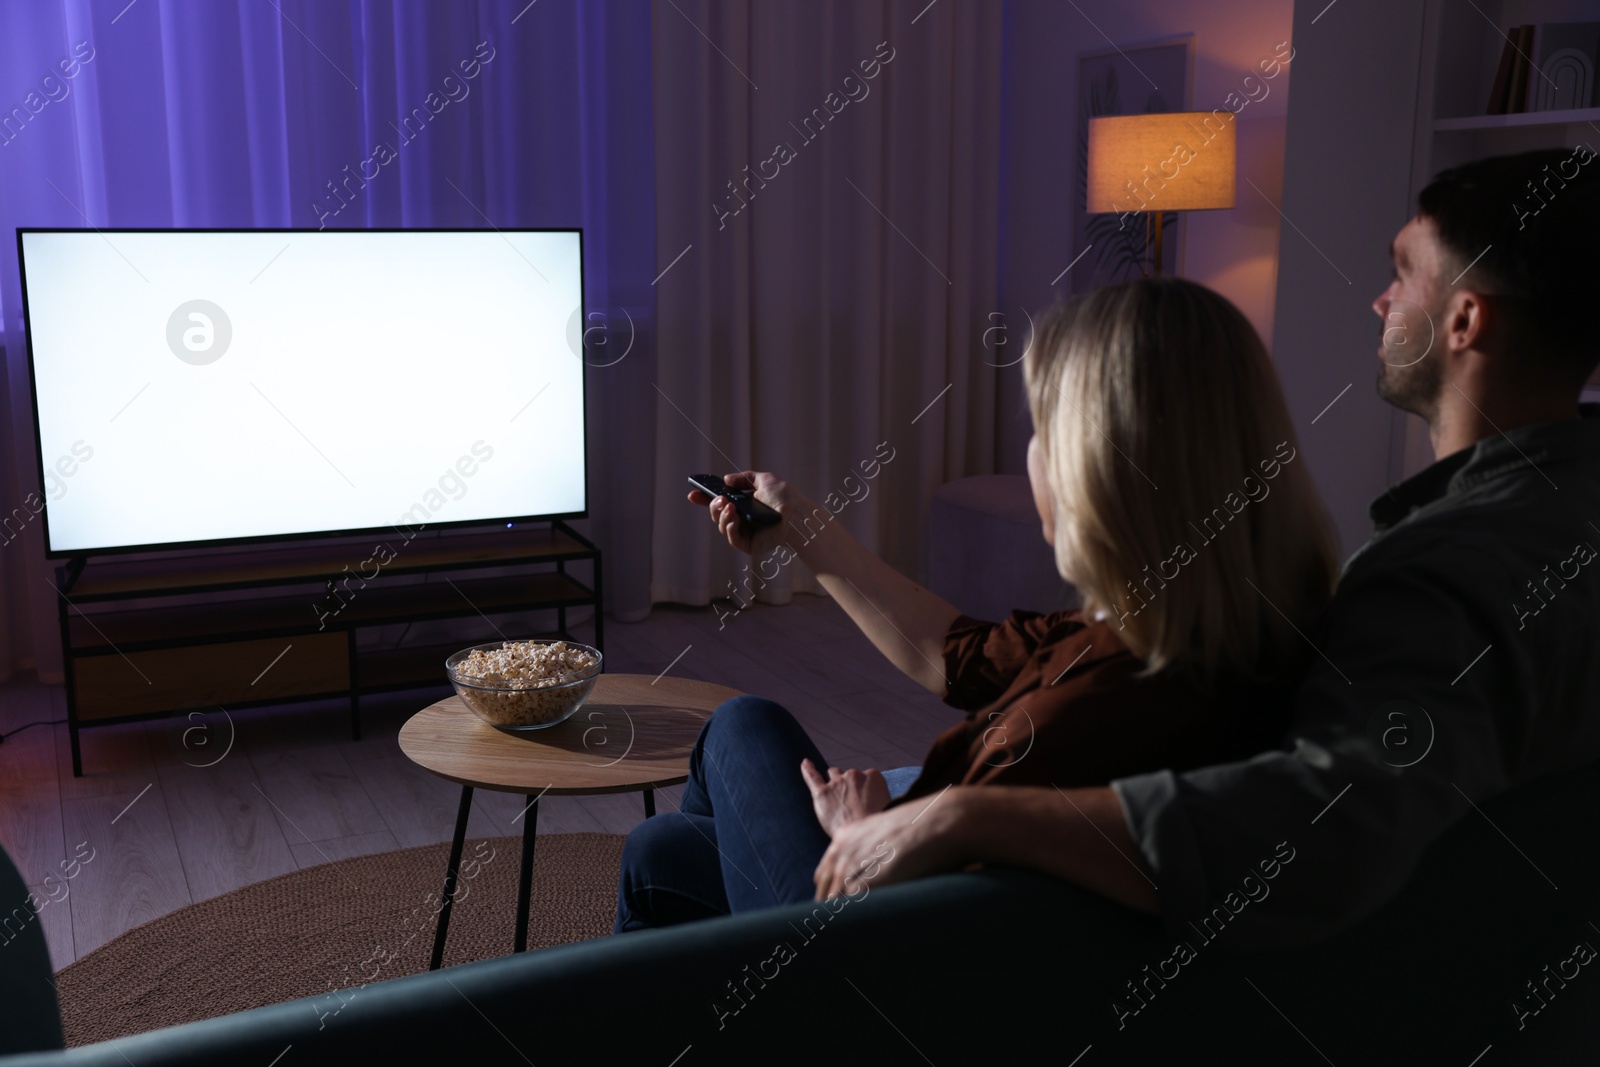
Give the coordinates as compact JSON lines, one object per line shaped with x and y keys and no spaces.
{"x":1165,"y":471}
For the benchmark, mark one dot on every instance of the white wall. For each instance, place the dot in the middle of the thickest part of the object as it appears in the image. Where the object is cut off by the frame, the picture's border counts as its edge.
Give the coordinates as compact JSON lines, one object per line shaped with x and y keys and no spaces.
{"x":1348,"y":185}
{"x":1234,"y":252}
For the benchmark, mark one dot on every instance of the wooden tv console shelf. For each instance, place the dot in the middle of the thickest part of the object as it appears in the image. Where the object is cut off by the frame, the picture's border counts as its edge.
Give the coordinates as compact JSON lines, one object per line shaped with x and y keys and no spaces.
{"x":147,"y":638}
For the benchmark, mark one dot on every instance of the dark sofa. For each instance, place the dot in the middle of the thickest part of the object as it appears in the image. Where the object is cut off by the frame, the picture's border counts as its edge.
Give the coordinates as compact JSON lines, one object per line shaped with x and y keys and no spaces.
{"x":987,"y":966}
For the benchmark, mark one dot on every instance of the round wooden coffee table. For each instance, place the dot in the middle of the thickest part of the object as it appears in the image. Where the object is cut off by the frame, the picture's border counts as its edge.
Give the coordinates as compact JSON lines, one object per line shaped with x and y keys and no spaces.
{"x":634,"y":732}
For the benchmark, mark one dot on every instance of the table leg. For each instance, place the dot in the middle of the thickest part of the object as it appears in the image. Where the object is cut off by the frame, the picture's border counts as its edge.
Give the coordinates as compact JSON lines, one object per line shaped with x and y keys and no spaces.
{"x":450,"y":875}
{"x":649,"y":803}
{"x":530,"y":822}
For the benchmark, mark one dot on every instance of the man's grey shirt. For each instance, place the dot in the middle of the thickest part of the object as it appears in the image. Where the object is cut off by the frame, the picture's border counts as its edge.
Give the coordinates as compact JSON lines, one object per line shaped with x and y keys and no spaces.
{"x":1459,"y":657}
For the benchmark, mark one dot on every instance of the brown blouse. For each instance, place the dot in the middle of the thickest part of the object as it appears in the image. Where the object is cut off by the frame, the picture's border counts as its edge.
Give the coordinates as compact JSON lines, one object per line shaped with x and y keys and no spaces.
{"x":1054,"y":700}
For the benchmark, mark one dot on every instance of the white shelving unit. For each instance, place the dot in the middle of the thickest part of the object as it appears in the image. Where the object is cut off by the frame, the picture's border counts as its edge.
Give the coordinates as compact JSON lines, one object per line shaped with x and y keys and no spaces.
{"x":1462,"y":41}
{"x":1570,"y":117}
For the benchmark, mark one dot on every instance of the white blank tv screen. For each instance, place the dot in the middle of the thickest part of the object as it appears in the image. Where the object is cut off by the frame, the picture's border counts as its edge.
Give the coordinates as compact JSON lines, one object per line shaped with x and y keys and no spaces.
{"x":205,"y":386}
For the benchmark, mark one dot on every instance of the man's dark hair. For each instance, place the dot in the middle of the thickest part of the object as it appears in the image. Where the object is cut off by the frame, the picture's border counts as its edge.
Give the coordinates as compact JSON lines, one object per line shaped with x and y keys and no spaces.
{"x":1538,"y":216}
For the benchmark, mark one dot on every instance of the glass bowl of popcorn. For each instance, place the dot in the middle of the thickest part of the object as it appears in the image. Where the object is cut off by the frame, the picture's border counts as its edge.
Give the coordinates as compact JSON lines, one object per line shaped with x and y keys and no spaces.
{"x":524,"y":685}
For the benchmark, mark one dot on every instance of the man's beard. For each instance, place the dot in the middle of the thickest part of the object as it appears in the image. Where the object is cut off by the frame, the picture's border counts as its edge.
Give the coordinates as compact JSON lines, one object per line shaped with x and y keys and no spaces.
{"x":1408,"y":382}
{"x":1413,"y":388}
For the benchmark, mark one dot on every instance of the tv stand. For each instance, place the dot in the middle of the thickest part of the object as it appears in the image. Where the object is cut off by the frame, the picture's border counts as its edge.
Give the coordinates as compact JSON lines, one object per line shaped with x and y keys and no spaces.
{"x":269,"y":624}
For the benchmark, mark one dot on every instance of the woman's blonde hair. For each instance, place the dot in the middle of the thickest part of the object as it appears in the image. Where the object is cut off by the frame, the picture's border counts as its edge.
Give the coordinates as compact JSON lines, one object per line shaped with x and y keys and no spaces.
{"x":1182,"y":509}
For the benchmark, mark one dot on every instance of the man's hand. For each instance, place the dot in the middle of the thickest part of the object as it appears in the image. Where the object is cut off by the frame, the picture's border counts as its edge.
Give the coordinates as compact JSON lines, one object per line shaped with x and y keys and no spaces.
{"x":915,"y":839}
{"x":844,"y":796}
{"x":1079,"y":835}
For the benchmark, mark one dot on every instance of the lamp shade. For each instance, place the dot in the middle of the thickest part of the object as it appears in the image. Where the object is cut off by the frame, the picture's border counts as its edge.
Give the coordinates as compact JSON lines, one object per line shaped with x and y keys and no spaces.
{"x":1179,"y":161}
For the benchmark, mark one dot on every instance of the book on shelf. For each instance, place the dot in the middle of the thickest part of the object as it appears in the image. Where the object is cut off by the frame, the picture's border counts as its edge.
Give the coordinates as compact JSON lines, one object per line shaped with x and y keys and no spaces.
{"x":1521,"y":68}
{"x":1500,"y":94}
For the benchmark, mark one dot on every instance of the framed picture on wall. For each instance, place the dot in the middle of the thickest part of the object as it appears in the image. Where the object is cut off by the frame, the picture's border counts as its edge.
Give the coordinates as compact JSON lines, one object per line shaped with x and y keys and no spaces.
{"x":1151,"y":77}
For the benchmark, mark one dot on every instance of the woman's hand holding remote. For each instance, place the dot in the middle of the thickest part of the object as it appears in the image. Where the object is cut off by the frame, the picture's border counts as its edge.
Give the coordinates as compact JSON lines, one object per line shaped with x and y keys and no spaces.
{"x":904,"y":621}
{"x":768,"y":488}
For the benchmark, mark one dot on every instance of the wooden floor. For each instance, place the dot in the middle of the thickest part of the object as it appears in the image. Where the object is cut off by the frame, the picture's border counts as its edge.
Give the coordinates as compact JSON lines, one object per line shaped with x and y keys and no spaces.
{"x":294,"y":791}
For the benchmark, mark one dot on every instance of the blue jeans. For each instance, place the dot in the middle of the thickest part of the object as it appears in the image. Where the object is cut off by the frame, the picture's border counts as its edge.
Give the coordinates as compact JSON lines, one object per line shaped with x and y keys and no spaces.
{"x":745,"y":835}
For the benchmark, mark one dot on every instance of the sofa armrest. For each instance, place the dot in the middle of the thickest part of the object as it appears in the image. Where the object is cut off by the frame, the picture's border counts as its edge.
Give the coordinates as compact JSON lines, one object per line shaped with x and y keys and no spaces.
{"x":29,"y":1016}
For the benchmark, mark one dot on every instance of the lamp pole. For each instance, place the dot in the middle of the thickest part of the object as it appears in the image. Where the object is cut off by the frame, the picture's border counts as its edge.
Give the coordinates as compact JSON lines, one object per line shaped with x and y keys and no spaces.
{"x":1152,"y":239}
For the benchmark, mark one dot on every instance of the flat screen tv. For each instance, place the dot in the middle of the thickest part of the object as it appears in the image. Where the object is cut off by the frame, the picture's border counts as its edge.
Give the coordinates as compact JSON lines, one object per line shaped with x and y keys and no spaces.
{"x":196,"y":387}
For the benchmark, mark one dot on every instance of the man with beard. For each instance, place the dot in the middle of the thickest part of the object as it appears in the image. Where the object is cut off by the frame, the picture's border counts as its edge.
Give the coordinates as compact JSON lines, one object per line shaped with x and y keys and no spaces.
{"x":1531,"y":315}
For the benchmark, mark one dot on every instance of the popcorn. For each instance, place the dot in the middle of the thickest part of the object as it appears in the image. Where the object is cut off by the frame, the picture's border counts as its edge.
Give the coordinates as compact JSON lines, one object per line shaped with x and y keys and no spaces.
{"x":530,"y":682}
{"x":526,"y":664}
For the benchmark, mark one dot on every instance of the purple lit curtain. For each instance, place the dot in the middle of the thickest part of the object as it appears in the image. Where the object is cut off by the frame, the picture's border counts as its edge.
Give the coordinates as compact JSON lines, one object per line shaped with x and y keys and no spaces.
{"x":239,"y":113}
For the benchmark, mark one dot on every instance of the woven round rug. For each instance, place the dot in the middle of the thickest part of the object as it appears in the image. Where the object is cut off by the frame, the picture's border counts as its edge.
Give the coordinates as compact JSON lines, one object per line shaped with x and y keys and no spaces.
{"x":335,"y":927}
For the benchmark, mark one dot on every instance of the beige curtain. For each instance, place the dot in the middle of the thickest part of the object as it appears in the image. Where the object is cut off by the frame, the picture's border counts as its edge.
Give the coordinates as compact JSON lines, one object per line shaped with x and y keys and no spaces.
{"x":827,"y":180}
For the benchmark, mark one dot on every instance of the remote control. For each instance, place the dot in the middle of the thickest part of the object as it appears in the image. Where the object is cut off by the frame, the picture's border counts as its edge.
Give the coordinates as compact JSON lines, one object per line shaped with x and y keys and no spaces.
{"x":749,"y":508}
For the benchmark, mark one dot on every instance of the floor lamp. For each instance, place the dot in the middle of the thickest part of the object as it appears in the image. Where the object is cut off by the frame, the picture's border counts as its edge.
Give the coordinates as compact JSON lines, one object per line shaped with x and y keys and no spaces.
{"x":1152,"y":164}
